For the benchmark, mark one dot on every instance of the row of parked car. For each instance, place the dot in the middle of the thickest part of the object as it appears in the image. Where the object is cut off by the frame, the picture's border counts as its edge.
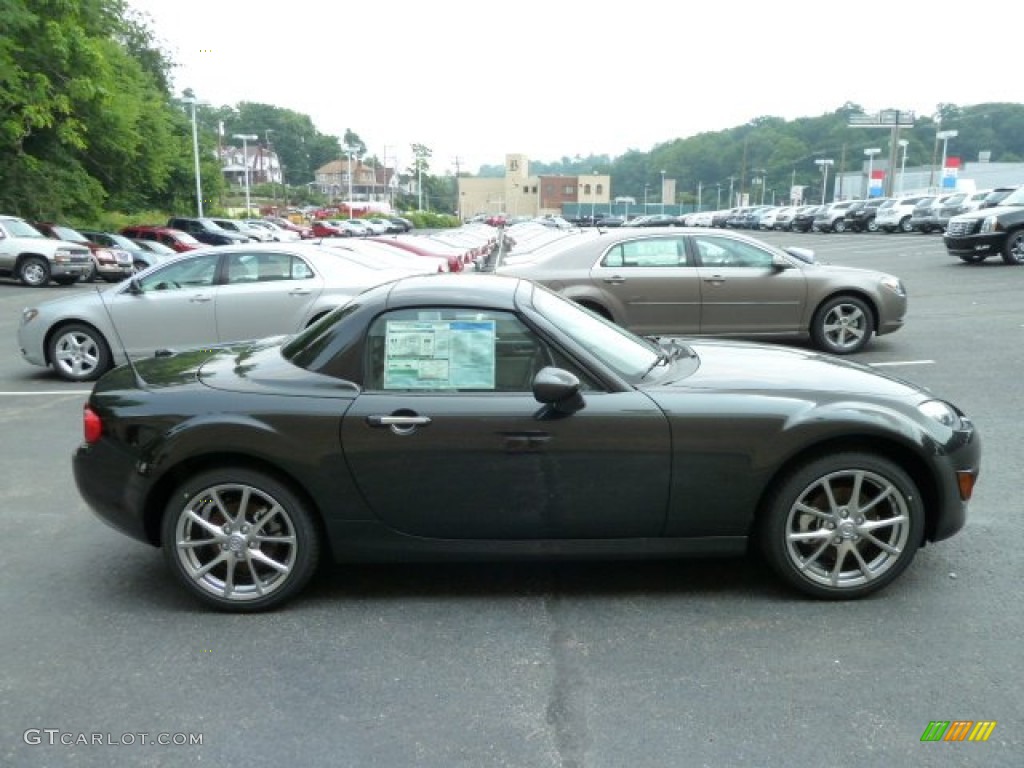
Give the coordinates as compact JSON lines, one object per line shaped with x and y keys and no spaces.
{"x":908,"y":213}
{"x":27,"y":253}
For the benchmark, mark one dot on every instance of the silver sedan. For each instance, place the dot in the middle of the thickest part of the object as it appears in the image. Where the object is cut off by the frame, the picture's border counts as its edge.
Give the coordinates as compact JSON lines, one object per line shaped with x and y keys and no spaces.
{"x":700,"y":282}
{"x":210,"y":296}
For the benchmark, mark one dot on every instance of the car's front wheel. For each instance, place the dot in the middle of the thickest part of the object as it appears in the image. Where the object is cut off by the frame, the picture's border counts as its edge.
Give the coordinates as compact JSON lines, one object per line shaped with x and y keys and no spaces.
{"x":843,"y":526}
{"x":239,"y":539}
{"x":78,"y":352}
{"x":1013,"y":250}
{"x":842,"y":325}
{"x":34,"y":272}
{"x":872,"y":226}
{"x":905,"y":225}
{"x":839,"y":226}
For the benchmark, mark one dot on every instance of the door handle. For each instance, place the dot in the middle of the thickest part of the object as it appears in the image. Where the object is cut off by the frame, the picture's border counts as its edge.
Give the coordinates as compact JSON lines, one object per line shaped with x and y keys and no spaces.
{"x":200,"y":298}
{"x":714,"y":279}
{"x":614,"y":279}
{"x":399,"y":425}
{"x":299,"y":292}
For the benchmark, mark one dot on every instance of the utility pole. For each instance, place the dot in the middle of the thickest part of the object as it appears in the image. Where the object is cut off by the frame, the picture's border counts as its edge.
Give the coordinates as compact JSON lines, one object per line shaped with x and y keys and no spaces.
{"x":731,"y":203}
{"x":842,"y":170}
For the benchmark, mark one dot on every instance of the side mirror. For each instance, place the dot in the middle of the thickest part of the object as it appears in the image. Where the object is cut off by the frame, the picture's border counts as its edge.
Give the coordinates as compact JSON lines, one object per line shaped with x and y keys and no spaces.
{"x":804,"y":254}
{"x":559,"y":389}
{"x":133,"y":286}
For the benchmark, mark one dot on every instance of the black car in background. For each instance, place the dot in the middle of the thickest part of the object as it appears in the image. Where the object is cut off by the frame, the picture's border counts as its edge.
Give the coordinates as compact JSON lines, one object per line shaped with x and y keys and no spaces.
{"x":207,"y":231}
{"x":803,"y":220}
{"x":860,"y":217}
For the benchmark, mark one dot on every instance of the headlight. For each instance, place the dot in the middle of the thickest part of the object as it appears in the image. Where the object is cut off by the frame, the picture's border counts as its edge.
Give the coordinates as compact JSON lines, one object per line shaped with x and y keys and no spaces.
{"x":990,"y":224}
{"x":28,"y":314}
{"x":941,"y":412}
{"x":894,"y":284}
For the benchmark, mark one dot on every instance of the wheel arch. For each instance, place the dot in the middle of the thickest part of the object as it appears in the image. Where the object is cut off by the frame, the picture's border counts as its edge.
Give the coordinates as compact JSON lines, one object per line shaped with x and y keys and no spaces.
{"x":838,"y":294}
{"x":160,"y":494}
{"x":61,"y":324}
{"x":900,"y":454}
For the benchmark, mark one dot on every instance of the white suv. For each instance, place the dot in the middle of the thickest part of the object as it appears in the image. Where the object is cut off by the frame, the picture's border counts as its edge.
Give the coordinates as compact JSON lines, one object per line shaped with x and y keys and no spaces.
{"x":895,"y":214}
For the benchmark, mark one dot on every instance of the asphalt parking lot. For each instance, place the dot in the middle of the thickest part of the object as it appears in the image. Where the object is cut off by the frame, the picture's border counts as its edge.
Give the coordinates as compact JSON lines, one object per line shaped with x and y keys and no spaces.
{"x":642,"y":664}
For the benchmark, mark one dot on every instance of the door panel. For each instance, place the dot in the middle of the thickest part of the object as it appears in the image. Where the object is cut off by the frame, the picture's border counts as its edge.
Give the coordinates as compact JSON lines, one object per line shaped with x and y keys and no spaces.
{"x":265,"y":294}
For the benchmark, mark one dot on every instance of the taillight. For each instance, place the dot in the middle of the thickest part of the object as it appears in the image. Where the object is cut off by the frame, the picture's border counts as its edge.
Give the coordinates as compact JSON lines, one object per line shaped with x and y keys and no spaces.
{"x":92,"y":425}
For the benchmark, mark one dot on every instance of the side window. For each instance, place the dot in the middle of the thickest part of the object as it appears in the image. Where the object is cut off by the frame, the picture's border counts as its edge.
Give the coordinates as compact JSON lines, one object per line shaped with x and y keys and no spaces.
{"x":648,"y":252}
{"x":265,"y":267}
{"x":451,"y":349}
{"x":725,"y":252}
{"x":196,"y":272}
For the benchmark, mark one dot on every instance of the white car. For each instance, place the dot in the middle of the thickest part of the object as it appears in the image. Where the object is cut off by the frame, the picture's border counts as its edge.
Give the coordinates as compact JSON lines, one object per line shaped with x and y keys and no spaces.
{"x":277,"y":234}
{"x":895,"y":214}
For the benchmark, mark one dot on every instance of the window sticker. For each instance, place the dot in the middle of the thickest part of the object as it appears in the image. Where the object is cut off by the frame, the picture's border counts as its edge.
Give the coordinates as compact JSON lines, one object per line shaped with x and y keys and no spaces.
{"x":441,"y":354}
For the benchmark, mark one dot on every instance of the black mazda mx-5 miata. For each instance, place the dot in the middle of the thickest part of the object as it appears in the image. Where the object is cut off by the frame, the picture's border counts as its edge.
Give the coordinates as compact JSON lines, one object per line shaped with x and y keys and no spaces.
{"x":481,"y":416}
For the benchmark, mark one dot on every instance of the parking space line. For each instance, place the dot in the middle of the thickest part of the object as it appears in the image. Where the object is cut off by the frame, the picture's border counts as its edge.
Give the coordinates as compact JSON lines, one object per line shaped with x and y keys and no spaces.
{"x":15,"y":393}
{"x":902,"y":362}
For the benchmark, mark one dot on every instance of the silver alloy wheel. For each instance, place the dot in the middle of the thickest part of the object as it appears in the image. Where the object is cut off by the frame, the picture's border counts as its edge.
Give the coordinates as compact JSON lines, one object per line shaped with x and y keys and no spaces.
{"x":845,"y":327}
{"x":1013,"y":251}
{"x":34,"y":273}
{"x":236,"y":542}
{"x":76,"y":354}
{"x":847,"y":529}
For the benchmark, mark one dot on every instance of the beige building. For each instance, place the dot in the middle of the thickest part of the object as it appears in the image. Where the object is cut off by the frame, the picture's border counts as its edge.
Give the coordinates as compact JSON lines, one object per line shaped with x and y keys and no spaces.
{"x":518,"y":193}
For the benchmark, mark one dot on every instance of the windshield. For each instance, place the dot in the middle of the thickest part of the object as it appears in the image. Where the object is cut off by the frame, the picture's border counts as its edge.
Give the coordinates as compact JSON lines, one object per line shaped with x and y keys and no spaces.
{"x":629,"y":355}
{"x":70,"y":235}
{"x":1014,"y":198}
{"x":19,"y":228}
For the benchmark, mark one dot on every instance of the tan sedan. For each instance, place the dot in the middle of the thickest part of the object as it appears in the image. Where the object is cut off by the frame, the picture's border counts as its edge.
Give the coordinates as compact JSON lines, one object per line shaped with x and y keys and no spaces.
{"x":696,"y":282}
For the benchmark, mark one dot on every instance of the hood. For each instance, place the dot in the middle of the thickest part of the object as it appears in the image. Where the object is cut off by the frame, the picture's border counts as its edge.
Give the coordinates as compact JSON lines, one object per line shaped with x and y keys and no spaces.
{"x":260,"y":369}
{"x":745,"y":366}
{"x":984,"y":213}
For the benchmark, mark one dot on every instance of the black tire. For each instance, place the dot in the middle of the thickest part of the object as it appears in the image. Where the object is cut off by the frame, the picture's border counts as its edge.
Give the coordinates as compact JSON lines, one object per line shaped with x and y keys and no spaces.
{"x":1013,"y":248}
{"x":842,"y":325}
{"x":830,"y":543}
{"x":905,"y":225}
{"x":66,"y":280}
{"x":239,"y":539}
{"x":78,"y":352}
{"x":839,"y":226}
{"x":34,"y":271}
{"x":91,"y":274}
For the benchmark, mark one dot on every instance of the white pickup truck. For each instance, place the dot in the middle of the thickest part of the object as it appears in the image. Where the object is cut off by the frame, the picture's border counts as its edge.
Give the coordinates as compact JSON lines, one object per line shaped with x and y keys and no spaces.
{"x":34,"y":259}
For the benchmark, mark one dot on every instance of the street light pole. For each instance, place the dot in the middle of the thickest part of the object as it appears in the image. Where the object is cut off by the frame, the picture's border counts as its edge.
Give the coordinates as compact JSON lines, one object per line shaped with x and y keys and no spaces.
{"x":246,"y":138}
{"x":349,"y":151}
{"x":662,"y":193}
{"x":903,"y":163}
{"x":191,"y":101}
{"x":824,"y":163}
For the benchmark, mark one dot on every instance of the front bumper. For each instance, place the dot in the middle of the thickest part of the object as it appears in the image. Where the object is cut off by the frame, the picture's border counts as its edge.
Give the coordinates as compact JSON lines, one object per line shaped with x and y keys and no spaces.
{"x":968,"y":244}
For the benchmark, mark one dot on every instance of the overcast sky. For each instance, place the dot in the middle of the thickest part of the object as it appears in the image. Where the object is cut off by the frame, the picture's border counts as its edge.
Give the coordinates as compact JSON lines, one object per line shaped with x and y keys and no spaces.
{"x":559,"y":78}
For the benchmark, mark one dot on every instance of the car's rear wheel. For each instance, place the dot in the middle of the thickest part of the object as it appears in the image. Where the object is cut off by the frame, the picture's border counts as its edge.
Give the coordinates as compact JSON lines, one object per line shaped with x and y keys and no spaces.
{"x":905,"y":225}
{"x":91,"y":274}
{"x":1013,"y":250}
{"x":872,"y":226}
{"x":239,"y":539}
{"x":78,"y":352}
{"x":842,"y":325}
{"x":843,"y":526}
{"x":34,"y":272}
{"x":839,"y":226}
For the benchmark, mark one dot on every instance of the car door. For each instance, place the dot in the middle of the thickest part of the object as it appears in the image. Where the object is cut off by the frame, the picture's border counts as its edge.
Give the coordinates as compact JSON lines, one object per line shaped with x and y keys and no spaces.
{"x":651,"y":283}
{"x":447,"y":440}
{"x":742,"y":292}
{"x":173,"y":307}
{"x":265,"y":294}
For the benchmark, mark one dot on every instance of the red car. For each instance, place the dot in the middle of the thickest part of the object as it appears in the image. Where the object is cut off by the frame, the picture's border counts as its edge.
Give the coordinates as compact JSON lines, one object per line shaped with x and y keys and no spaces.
{"x":306,"y":233}
{"x":327,"y":229}
{"x":110,"y":264}
{"x":454,"y":262}
{"x":172,"y":238}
